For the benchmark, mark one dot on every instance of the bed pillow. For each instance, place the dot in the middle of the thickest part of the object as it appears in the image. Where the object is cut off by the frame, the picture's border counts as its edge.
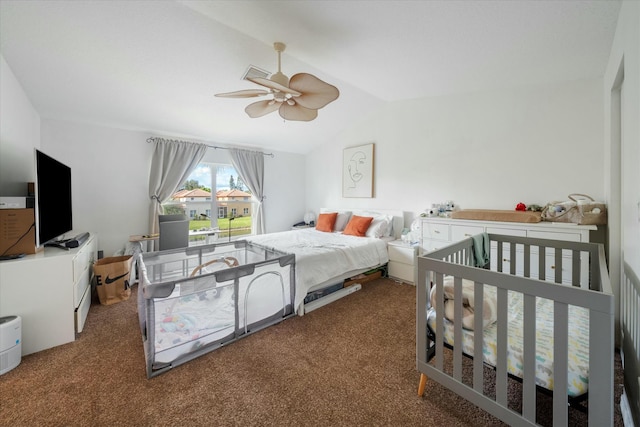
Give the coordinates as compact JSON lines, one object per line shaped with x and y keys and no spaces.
{"x":380,"y":227}
{"x":326,"y":221}
{"x":342,"y":220}
{"x":358,"y":225}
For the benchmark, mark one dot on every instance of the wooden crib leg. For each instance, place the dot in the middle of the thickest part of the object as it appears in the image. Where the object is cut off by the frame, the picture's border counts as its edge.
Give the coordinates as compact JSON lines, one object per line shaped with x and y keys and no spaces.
{"x":423,"y":383}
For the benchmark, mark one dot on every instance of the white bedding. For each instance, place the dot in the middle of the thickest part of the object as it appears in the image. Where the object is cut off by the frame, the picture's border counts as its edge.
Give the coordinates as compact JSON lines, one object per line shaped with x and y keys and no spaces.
{"x":322,"y":256}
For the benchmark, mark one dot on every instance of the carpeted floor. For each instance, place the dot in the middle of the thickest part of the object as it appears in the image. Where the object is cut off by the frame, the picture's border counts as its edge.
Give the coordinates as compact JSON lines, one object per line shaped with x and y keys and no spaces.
{"x":349,"y":363}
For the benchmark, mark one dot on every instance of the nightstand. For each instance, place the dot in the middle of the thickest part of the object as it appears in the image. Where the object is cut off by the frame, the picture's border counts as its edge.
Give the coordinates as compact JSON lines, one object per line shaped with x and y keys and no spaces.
{"x":402,"y":261}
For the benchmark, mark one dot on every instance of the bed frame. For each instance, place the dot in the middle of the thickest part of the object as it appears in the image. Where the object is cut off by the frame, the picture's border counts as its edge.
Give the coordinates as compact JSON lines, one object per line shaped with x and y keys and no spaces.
{"x":457,"y":259}
{"x":239,"y":288}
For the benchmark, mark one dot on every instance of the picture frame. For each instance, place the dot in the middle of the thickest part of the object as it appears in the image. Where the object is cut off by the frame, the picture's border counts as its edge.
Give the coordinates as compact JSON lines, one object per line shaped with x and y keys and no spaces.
{"x":357,"y":171}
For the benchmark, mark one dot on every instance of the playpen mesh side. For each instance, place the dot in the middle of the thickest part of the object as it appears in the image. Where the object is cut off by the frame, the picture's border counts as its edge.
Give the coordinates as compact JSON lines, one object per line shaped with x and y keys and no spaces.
{"x":200,"y":309}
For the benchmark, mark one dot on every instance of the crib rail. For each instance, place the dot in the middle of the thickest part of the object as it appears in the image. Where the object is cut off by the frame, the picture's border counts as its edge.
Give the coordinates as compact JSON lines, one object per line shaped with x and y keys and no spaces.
{"x":630,"y":324}
{"x":594,"y":294}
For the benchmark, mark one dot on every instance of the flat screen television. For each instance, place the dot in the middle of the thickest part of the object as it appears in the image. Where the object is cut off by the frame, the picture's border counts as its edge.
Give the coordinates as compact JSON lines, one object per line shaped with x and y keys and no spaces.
{"x":53,"y":199}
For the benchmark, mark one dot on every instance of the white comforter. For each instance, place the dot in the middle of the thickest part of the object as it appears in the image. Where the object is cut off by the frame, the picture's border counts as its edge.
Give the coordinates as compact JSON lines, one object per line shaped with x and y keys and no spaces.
{"x":321,"y":256}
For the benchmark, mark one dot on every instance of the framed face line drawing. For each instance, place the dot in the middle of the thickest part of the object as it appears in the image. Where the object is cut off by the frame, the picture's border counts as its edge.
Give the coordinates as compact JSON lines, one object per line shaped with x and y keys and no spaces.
{"x":357,"y":171}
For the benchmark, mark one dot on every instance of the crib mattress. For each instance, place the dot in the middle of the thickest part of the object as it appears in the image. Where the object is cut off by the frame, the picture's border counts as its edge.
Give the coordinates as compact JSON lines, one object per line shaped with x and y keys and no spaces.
{"x":578,"y":363}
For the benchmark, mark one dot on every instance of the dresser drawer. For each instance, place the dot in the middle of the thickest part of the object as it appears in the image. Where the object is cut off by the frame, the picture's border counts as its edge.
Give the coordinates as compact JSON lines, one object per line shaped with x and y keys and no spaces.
{"x":79,"y":288}
{"x":507,"y":231}
{"x":506,"y":260}
{"x":432,"y":245}
{"x":461,"y":232}
{"x":550,"y":268}
{"x":571,"y":237}
{"x":401,"y":254}
{"x":81,"y":263}
{"x":80,"y":314}
{"x":435,"y":231}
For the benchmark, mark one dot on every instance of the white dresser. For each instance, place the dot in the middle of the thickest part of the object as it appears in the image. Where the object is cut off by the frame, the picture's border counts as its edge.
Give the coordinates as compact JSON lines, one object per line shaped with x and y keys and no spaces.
{"x":439,"y":232}
{"x":51,"y":291}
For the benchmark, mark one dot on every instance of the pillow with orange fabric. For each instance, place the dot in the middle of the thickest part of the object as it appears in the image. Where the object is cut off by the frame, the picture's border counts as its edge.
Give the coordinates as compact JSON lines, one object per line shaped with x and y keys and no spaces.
{"x":358,"y":225}
{"x":326,"y":221}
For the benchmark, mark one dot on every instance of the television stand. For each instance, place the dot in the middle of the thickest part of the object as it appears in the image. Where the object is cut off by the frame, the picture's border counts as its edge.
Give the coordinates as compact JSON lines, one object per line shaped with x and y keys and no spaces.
{"x":51,"y":291}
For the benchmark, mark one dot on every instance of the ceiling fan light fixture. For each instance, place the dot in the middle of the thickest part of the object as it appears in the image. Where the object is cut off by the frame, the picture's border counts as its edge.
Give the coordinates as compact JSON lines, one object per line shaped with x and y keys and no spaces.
{"x":297,"y":98}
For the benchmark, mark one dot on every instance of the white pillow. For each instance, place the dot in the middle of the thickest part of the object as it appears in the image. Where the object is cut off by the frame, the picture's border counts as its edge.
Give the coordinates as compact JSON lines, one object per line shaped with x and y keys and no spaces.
{"x":380,"y":226}
{"x":342,"y":220}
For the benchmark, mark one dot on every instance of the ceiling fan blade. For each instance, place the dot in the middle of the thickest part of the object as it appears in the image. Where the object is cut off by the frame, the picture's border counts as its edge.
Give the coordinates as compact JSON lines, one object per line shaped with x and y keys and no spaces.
{"x":247,"y":93}
{"x":273,"y":85}
{"x":261,"y":108}
{"x":297,"y":113}
{"x":315,"y":93}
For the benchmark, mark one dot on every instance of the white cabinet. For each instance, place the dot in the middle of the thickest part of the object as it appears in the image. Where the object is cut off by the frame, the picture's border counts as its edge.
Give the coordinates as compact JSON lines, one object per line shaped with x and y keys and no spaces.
{"x":51,"y":291}
{"x":402,"y":261}
{"x":433,"y":231}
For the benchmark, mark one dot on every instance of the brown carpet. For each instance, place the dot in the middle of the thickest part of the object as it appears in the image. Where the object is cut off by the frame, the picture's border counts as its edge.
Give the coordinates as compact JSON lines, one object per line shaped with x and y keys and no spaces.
{"x":349,"y":363}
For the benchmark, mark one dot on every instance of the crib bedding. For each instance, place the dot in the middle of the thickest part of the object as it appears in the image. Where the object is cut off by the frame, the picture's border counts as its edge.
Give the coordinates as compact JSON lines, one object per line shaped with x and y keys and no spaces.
{"x":187,"y":321}
{"x":578,"y":363}
{"x":321,"y":256}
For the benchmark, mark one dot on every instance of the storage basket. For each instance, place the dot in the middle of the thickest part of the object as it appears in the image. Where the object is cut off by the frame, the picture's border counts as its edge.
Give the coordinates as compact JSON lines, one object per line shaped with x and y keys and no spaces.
{"x":579,"y":209}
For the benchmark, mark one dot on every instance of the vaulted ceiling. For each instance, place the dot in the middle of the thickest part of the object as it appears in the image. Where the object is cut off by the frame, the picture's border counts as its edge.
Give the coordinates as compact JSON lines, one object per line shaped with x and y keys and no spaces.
{"x":155,"y":65}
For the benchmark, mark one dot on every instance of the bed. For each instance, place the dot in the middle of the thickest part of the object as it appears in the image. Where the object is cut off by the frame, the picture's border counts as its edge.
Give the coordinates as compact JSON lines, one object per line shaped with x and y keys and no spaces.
{"x":547,"y":335}
{"x":194,"y":300}
{"x":324,"y":259}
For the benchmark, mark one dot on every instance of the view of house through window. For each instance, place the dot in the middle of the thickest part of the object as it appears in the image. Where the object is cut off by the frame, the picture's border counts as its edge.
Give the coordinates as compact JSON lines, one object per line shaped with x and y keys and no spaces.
{"x":231,"y":200}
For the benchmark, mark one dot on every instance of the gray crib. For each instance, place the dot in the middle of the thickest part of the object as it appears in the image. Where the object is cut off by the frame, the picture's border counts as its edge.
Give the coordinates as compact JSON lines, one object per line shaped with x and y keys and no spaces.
{"x":525,"y":284}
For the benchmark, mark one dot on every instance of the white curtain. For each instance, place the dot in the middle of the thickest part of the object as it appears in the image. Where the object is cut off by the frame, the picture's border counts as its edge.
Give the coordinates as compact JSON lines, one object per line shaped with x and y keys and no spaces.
{"x":171,"y":165}
{"x":250,"y":166}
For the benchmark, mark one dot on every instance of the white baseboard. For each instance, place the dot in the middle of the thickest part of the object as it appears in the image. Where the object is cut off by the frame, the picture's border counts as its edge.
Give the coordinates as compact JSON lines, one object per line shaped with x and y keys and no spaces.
{"x":333,"y":296}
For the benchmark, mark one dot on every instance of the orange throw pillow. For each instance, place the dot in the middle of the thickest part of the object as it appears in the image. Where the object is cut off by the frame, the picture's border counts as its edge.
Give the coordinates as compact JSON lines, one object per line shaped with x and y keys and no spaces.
{"x":358,"y":225}
{"x":326,"y":221}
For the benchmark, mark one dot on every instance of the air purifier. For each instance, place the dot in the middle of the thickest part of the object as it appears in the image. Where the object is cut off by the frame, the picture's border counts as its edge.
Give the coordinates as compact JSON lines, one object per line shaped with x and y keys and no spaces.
{"x":10,"y":343}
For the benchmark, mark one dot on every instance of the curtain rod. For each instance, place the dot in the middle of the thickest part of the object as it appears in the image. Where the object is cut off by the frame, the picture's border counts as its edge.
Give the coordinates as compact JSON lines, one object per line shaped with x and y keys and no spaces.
{"x":153,"y":139}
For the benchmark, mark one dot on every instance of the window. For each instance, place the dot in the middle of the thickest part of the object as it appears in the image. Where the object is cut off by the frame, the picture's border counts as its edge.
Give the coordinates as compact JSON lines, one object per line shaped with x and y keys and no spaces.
{"x":203,"y":181}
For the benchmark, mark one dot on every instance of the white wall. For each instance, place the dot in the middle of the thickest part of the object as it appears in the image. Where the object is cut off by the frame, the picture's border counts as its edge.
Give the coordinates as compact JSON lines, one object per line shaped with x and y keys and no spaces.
{"x":626,"y":51}
{"x":110,"y":180}
{"x":486,"y":150}
{"x":19,"y":135}
{"x":622,"y":146}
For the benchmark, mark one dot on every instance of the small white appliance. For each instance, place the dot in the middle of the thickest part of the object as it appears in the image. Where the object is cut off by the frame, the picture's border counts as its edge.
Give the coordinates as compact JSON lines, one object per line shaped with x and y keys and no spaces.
{"x":10,"y":343}
{"x":17,"y":202}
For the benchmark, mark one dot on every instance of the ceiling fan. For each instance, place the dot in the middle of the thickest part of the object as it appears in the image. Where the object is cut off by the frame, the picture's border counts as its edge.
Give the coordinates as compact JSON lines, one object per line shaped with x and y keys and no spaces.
{"x":296,"y":99}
